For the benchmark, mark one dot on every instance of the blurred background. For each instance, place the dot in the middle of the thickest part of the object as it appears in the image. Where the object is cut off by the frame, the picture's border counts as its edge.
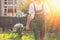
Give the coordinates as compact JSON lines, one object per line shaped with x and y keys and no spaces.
{"x":14,"y":11}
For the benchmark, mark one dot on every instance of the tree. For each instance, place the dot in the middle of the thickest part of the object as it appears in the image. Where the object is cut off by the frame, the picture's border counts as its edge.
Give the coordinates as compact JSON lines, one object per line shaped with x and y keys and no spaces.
{"x":24,"y":6}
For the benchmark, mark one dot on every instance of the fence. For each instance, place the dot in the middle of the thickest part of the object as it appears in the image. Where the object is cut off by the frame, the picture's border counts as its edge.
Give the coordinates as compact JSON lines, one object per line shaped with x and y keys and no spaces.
{"x":8,"y":22}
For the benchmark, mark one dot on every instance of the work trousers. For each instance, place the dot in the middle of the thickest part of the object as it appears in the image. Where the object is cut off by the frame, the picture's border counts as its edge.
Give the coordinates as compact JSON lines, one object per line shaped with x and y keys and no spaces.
{"x":38,"y":26}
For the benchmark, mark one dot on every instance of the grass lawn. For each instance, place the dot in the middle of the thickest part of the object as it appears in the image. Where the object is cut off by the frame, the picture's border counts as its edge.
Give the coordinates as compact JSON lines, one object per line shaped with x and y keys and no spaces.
{"x":27,"y":36}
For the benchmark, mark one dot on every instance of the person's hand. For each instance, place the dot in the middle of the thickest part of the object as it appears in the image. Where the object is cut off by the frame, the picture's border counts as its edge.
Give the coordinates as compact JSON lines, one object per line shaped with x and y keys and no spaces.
{"x":27,"y":27}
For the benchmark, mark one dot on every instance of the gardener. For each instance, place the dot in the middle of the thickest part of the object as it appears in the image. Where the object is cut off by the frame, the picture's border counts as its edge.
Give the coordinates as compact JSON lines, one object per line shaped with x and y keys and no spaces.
{"x":37,"y":13}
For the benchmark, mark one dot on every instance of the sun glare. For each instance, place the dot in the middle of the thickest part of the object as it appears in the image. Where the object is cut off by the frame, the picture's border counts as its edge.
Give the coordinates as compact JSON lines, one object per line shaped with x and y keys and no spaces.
{"x":56,"y":3}
{"x":54,"y":6}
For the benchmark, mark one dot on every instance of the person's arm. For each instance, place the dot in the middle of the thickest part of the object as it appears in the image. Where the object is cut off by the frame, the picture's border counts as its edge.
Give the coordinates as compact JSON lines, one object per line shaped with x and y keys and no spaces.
{"x":30,"y":16}
{"x":28,"y":21}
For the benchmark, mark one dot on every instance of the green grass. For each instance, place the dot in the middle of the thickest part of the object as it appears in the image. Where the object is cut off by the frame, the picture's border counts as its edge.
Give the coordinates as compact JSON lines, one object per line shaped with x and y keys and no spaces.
{"x":14,"y":36}
{"x":27,"y":36}
{"x":52,"y":37}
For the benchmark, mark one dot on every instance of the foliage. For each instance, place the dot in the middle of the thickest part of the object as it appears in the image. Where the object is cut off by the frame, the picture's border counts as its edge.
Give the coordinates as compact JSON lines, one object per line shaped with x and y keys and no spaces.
{"x":6,"y":36}
{"x":27,"y":36}
{"x":24,"y":6}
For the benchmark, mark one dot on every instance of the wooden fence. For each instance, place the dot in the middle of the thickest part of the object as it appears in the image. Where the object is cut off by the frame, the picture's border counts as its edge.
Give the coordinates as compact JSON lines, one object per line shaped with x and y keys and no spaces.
{"x":8,"y":22}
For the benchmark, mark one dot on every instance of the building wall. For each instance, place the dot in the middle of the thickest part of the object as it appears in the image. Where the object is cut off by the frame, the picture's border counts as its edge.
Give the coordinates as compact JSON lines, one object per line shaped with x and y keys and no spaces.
{"x":0,"y":7}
